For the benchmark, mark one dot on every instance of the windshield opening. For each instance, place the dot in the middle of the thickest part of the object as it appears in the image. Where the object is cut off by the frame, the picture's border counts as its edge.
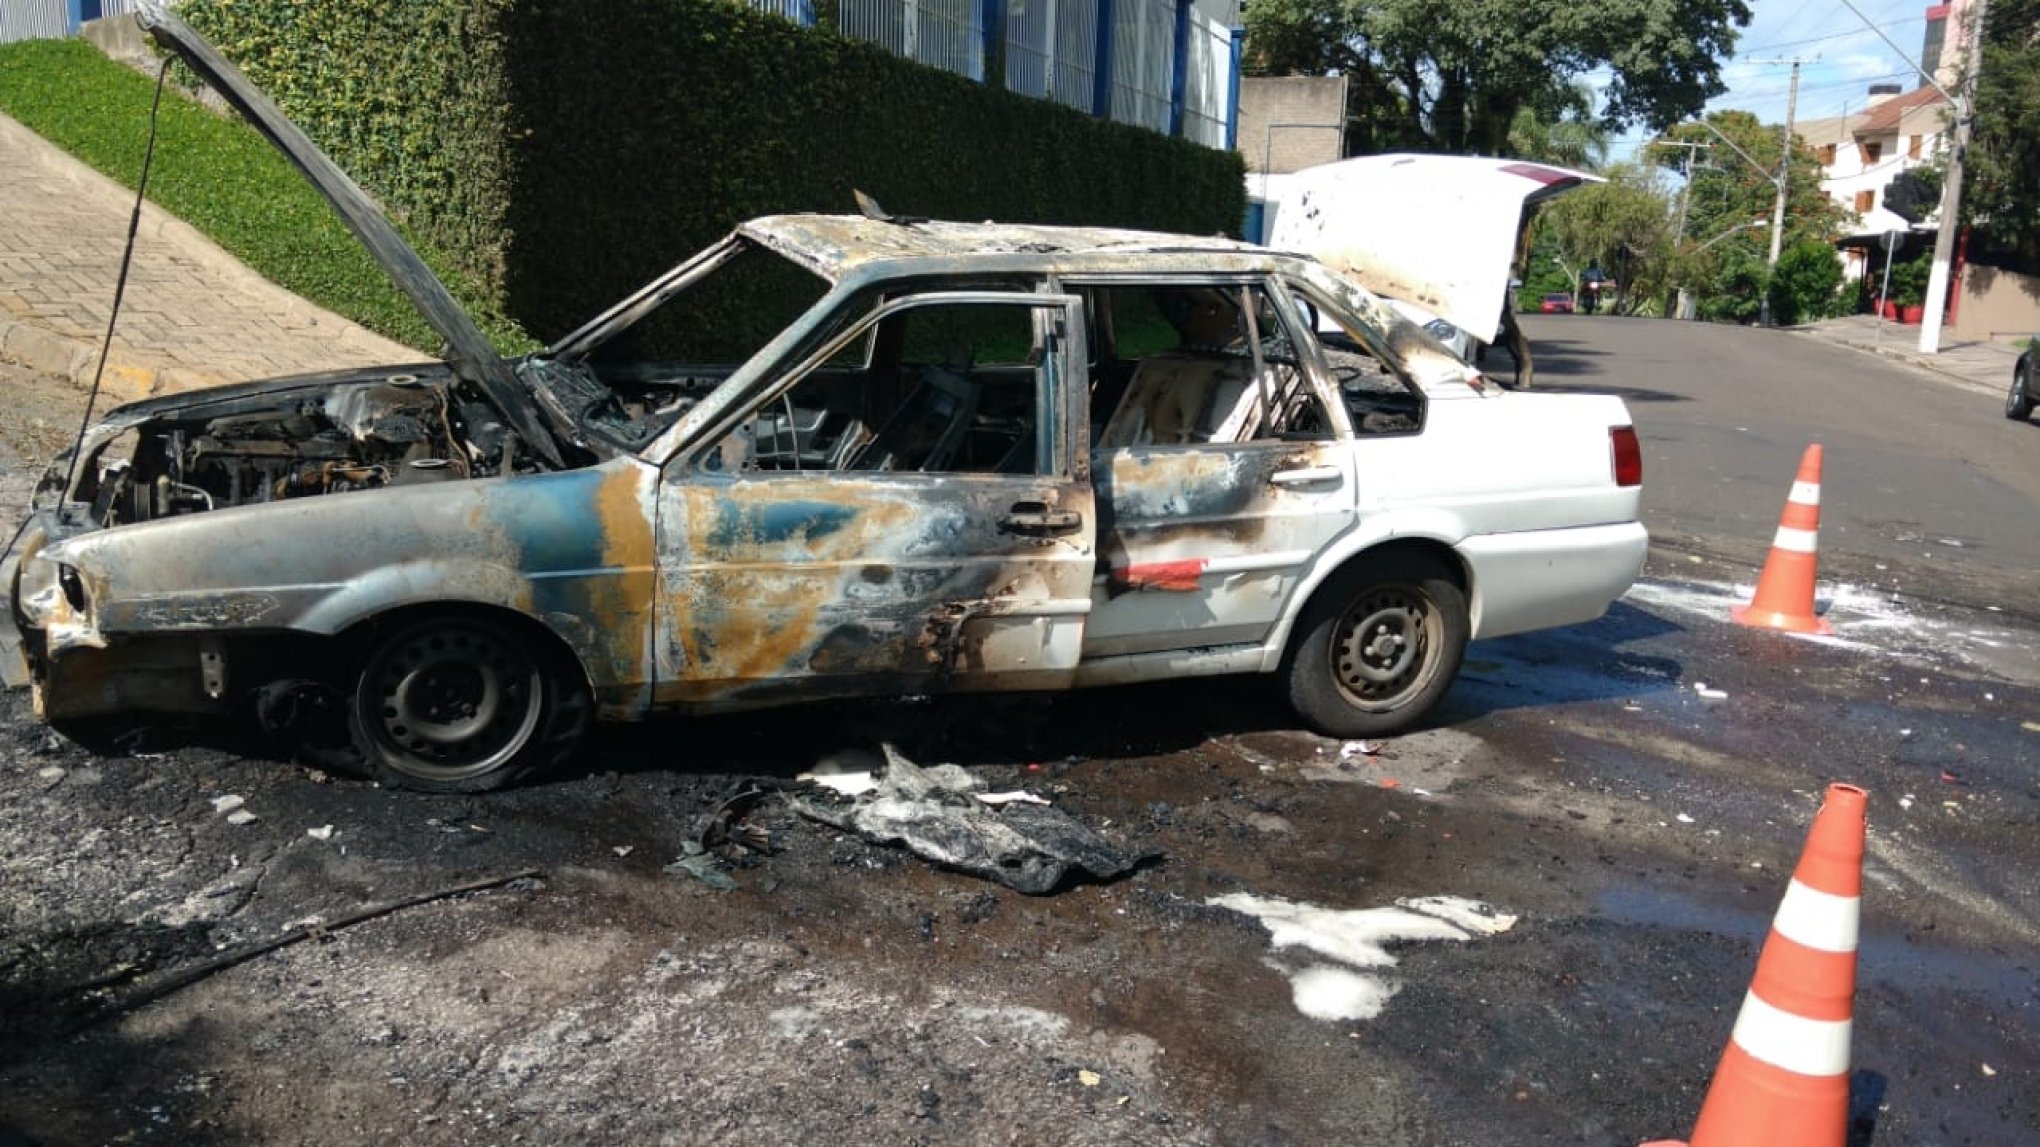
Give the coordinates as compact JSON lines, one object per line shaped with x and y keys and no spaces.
{"x":725,"y":317}
{"x":672,"y":344}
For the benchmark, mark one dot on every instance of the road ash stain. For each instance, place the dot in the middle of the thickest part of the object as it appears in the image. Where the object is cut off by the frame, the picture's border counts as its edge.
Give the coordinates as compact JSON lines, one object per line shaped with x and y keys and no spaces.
{"x":1354,"y":987}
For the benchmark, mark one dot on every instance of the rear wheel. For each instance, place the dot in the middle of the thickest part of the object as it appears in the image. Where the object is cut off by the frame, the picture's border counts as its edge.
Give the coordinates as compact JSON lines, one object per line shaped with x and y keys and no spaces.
{"x":1378,"y":646}
{"x":464,"y":704}
{"x":2019,"y":399}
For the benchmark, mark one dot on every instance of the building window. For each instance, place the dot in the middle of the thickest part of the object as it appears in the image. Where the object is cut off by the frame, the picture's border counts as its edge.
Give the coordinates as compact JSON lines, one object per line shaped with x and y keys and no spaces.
{"x":1912,"y":149}
{"x":1872,"y":151}
{"x":1865,"y":200}
{"x":1827,"y":155}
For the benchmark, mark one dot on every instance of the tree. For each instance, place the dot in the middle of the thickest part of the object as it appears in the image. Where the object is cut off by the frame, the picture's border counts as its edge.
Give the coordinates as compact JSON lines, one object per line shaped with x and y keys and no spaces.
{"x":1544,"y":271}
{"x":1722,"y":251}
{"x":1454,"y":77}
{"x":1729,"y":189}
{"x":2000,"y":190}
{"x":1732,"y":291}
{"x":1567,"y":142}
{"x":1807,"y":283}
{"x":1622,"y":226}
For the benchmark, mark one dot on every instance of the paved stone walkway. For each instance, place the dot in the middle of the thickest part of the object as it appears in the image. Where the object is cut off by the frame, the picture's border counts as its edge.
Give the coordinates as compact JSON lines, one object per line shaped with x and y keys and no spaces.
{"x":194,"y":316}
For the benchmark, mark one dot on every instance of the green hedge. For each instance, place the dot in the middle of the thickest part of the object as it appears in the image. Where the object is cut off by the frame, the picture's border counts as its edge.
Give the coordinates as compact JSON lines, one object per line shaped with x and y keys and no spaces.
{"x":569,"y":151}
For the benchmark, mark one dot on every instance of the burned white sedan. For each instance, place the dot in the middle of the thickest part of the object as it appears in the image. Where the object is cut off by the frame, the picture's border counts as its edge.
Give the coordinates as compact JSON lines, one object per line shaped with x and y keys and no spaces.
{"x":976,"y":457}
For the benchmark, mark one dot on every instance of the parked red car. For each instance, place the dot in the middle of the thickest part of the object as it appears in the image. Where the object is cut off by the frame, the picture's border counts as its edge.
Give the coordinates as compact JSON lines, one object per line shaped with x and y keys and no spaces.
{"x":1556,"y":303}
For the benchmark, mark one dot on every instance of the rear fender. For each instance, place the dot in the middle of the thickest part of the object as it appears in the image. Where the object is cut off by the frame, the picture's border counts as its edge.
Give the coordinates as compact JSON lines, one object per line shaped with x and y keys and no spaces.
{"x":1429,"y":529}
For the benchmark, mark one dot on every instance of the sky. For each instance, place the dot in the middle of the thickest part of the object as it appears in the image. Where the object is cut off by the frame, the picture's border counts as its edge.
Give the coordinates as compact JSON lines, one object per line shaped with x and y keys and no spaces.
{"x":1840,"y":57}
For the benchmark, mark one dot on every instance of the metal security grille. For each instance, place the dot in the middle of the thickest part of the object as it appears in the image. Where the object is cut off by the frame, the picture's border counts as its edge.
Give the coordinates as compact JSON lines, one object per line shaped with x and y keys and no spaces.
{"x":51,"y":19}
{"x":34,"y":20}
{"x":1051,"y":50}
{"x":798,"y":11}
{"x":939,"y":33}
{"x":1143,"y":62}
{"x":1207,"y":81}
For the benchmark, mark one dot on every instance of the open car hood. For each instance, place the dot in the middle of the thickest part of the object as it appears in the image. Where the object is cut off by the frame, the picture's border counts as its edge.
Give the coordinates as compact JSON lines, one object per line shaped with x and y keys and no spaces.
{"x":1439,"y":231}
{"x":467,"y":350}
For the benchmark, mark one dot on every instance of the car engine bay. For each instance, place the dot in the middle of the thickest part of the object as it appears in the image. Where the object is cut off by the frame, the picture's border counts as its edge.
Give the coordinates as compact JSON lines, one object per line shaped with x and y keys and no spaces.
{"x":398,"y":430}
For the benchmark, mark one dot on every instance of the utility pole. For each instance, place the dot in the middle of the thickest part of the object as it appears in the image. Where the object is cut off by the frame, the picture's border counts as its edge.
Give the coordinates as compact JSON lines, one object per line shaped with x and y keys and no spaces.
{"x":1686,"y":174}
{"x":1951,"y":191}
{"x":1951,"y":187}
{"x":1685,"y":197}
{"x":1778,"y":209}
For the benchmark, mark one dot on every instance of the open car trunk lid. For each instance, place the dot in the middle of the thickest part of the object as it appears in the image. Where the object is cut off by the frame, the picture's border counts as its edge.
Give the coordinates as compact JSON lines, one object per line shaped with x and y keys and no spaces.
{"x":467,"y":349}
{"x":1439,"y":231}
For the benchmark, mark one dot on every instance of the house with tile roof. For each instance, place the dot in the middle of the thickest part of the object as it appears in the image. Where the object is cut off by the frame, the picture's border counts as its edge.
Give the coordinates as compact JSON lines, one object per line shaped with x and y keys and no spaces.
{"x":1860,"y":154}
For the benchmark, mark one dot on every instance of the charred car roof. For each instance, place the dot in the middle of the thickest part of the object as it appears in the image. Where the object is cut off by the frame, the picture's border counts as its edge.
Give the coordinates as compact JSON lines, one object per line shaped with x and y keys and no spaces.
{"x":835,"y":245}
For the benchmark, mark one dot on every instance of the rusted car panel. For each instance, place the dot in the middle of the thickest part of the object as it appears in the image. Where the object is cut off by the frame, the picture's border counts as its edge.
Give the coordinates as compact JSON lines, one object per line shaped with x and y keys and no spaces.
{"x":1205,"y":547}
{"x":842,"y":584}
{"x":572,"y":550}
{"x":972,"y":457}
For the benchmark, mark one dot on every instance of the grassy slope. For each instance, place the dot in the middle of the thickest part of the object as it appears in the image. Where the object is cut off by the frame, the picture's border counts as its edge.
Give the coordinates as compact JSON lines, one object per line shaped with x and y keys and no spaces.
{"x":217,"y":174}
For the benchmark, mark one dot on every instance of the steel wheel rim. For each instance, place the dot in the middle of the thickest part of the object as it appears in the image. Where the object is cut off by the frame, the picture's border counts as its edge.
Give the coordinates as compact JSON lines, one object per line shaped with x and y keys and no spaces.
{"x":1384,"y":646}
{"x":452,"y":702}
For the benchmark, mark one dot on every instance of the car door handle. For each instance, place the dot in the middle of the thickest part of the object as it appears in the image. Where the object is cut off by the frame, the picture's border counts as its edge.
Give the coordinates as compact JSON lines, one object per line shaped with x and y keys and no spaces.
{"x":1308,"y":476}
{"x":1037,"y":520}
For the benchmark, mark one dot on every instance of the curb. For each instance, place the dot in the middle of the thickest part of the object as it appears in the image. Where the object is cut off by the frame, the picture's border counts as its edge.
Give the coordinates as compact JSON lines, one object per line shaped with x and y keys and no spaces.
{"x":46,"y":351}
{"x":75,"y":360}
{"x":1912,"y":360}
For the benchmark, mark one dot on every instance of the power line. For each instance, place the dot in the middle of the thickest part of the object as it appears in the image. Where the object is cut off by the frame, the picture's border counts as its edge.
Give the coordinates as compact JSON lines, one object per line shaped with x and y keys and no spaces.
{"x":1833,"y":85}
{"x":1857,"y":102}
{"x":1823,"y":39}
{"x":1806,"y":17}
{"x":1846,"y":61}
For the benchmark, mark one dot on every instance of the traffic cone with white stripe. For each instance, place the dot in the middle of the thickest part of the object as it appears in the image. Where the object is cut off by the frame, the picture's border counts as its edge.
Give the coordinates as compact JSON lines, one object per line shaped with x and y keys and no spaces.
{"x":1784,"y":1080}
{"x":1784,"y":598}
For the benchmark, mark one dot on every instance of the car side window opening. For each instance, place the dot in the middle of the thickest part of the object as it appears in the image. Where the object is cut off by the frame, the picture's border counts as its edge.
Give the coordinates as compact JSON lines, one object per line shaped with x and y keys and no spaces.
{"x":1375,"y":394}
{"x":944,"y":387}
{"x":1197,"y":364}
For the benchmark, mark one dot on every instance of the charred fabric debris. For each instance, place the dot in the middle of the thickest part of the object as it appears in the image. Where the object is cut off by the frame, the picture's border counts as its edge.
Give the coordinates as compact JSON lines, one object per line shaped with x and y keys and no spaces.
{"x":942,"y":814}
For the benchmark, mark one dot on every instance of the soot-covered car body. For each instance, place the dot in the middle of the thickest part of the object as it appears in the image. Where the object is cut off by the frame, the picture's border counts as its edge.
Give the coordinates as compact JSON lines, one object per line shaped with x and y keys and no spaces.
{"x":931,"y":457}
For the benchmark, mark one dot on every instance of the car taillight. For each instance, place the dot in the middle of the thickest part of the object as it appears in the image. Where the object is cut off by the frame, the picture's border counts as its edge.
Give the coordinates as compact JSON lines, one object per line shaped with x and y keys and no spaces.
{"x":1627,"y":454}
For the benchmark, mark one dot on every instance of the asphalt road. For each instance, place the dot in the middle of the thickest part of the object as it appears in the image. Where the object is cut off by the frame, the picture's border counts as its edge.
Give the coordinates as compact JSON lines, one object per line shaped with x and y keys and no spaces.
{"x":1922,"y":475}
{"x":1626,"y":798}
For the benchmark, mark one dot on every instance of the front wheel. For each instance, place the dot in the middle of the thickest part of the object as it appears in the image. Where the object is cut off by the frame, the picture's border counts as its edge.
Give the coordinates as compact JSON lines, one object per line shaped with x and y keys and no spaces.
{"x":2019,"y":399}
{"x":1378,"y":646}
{"x":464,"y":705}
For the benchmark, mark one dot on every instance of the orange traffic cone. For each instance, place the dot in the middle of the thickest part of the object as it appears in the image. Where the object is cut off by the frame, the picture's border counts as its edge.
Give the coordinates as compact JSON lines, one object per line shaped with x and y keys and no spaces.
{"x":1784,"y":598}
{"x":1784,"y":1080}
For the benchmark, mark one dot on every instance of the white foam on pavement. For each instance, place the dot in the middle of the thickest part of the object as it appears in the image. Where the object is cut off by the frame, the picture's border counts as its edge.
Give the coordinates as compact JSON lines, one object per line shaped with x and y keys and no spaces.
{"x":1357,"y":939}
{"x":1865,"y":619}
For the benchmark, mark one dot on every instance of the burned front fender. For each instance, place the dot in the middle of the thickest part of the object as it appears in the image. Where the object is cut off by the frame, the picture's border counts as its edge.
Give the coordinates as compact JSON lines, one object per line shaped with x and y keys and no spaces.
{"x":572,"y":550}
